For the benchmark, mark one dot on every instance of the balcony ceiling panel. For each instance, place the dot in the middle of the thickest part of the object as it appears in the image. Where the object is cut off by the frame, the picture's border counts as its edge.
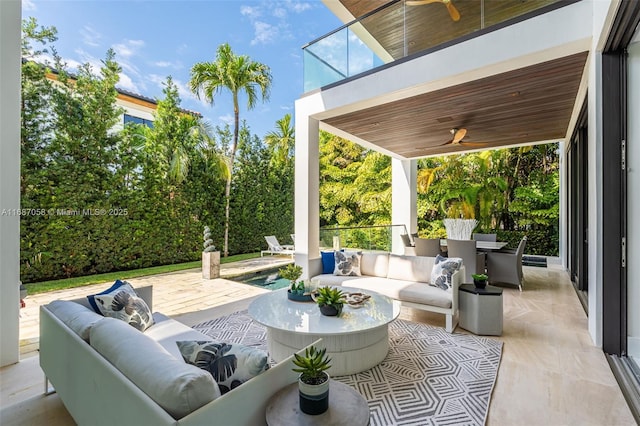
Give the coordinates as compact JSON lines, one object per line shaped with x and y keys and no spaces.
{"x":430,"y":25}
{"x":527,"y":105}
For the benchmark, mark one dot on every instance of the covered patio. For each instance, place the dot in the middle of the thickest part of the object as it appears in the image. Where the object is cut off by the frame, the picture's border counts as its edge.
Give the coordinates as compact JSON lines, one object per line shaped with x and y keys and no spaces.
{"x":548,"y":358}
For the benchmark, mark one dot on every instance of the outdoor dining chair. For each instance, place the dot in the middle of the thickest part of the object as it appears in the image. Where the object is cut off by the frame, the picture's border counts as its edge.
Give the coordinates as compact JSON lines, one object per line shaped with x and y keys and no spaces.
{"x":472,"y":260}
{"x":506,"y":267}
{"x":484,"y":237}
{"x":427,"y":246}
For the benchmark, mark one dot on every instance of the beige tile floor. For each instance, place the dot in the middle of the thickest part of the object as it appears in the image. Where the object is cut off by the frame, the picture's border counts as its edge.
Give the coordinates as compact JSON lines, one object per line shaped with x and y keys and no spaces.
{"x":550,"y":373}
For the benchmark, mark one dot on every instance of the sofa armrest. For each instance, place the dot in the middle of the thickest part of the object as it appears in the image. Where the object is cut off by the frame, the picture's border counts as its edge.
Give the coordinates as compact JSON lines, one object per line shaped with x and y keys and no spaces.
{"x":456,"y":280}
{"x":247,"y":404}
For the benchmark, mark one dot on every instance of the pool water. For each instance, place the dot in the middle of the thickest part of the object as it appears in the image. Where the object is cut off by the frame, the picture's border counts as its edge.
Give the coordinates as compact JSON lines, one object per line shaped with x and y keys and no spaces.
{"x":265,"y":279}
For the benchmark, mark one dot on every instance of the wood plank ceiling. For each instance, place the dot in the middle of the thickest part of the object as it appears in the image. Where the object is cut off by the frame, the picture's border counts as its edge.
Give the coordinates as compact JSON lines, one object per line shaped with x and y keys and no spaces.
{"x":527,"y":105}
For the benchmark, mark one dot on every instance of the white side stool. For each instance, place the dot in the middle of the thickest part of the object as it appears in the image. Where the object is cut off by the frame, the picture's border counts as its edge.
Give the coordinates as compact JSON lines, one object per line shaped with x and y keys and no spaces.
{"x":480,"y":309}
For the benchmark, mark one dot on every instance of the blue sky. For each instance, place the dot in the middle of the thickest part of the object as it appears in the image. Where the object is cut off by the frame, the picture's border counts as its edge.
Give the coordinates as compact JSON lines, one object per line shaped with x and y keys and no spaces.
{"x":154,"y":39}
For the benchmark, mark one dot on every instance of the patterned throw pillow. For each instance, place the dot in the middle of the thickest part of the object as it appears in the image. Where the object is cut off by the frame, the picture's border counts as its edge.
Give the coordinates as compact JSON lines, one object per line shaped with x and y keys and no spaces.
{"x":347,"y":263}
{"x":229,"y":364}
{"x":122,"y":302}
{"x":443,"y":269}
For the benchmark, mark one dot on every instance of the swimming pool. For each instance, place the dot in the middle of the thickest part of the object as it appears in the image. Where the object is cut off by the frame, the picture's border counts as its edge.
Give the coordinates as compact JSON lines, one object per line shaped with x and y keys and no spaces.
{"x":268,"y":279}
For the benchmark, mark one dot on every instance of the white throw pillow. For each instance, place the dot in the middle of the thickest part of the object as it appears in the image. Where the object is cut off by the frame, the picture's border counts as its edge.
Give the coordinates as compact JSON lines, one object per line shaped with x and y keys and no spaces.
{"x":442,"y":271}
{"x":347,"y":263}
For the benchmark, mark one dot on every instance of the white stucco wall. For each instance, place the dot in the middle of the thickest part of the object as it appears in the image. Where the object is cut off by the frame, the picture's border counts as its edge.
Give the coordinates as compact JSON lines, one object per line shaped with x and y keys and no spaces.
{"x":633,"y":206}
{"x":10,"y":18}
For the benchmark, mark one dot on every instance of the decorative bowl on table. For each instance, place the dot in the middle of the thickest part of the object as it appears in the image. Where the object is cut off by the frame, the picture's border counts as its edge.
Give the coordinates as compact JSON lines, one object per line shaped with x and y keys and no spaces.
{"x":356,"y":300}
{"x":299,"y":297}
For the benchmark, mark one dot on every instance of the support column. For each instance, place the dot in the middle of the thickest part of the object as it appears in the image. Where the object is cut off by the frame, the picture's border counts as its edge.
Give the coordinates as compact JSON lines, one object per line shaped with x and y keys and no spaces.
{"x":404,"y":200}
{"x":10,"y":33}
{"x":307,"y":194}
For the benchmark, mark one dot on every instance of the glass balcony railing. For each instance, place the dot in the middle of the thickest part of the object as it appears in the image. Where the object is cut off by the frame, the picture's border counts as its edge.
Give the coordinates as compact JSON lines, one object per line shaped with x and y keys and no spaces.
{"x":403,"y":28}
{"x":369,"y":238}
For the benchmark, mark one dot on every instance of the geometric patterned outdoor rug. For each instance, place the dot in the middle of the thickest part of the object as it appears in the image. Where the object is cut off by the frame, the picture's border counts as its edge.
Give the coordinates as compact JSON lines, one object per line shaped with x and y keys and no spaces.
{"x":429,"y":377}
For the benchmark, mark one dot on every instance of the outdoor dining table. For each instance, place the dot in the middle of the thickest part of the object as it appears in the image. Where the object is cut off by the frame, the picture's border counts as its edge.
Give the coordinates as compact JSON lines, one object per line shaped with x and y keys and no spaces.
{"x":482,"y":245}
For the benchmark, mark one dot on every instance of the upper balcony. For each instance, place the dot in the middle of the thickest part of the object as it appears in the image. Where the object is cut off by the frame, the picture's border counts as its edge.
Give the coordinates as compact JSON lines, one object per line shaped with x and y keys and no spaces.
{"x":402,"y":29}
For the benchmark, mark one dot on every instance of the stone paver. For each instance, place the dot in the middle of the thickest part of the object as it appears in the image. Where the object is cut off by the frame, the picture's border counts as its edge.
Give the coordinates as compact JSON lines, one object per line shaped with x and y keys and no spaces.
{"x":174,"y":293}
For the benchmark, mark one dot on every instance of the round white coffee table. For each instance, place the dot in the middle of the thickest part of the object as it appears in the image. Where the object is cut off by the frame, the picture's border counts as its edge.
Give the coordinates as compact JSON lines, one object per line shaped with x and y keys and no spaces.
{"x":356,"y":341}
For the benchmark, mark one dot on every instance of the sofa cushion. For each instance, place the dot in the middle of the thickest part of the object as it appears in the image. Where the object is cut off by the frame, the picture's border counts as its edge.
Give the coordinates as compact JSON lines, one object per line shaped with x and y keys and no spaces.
{"x":410,"y":268}
{"x":406,"y":291}
{"x":121,"y":301}
{"x":167,"y":332}
{"x":229,"y":364}
{"x":78,"y":318}
{"x":328,"y":262}
{"x":179,"y":388}
{"x":347,"y":263}
{"x":375,"y":264}
{"x":443,"y":269}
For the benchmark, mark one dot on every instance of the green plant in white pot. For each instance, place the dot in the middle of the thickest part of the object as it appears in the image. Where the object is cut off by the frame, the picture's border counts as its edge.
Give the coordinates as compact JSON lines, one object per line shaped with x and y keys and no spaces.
{"x":313,"y":383}
{"x":292,"y":272}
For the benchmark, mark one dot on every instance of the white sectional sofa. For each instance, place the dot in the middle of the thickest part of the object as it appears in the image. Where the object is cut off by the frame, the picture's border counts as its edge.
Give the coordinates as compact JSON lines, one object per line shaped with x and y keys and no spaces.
{"x":107,"y":373}
{"x":404,"y":278}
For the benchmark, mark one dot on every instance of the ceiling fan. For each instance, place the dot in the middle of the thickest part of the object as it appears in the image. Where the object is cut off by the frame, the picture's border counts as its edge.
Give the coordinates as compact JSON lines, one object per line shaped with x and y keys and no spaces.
{"x":458,"y":136}
{"x":453,"y":12}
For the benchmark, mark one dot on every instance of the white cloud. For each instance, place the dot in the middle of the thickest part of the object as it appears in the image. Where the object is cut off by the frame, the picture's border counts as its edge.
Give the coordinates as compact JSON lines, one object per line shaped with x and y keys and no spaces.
{"x":28,"y":5}
{"x":90,"y":37}
{"x":264,"y":33}
{"x":298,"y":7}
{"x":226,"y":119}
{"x":286,"y":107}
{"x":168,"y":64}
{"x":127,"y":83}
{"x":128,"y":48}
{"x":253,"y":12}
{"x":279,"y":12}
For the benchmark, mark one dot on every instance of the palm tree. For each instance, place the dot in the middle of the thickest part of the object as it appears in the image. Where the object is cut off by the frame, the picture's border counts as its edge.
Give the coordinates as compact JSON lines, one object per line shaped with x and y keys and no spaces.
{"x":282,"y":140}
{"x":236,"y":74}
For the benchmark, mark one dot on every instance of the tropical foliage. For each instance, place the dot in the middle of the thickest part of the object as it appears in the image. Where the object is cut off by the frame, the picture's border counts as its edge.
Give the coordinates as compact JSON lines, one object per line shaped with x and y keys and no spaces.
{"x":237,"y":74}
{"x":513,"y":192}
{"x":106,"y":197}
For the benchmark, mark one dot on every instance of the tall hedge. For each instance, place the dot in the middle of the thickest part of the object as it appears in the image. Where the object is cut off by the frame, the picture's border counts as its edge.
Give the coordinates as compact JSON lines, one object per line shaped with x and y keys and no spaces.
{"x":95,"y":199}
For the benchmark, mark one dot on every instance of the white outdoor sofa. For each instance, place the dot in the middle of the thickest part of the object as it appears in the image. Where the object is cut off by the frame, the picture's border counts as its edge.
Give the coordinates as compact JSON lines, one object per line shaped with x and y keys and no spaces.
{"x":75,"y":345}
{"x":404,"y":278}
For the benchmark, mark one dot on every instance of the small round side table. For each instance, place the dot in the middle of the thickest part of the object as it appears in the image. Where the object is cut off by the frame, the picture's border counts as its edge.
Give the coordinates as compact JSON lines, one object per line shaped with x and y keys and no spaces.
{"x":346,"y":407}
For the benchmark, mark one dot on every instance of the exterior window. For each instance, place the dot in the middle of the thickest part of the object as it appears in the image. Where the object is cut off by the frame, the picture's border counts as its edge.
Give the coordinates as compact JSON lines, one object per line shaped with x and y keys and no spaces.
{"x":131,"y":119}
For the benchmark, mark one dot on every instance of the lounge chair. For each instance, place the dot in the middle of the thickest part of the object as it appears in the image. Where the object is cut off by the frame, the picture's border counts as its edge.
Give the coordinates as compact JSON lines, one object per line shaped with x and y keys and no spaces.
{"x":276,"y":248}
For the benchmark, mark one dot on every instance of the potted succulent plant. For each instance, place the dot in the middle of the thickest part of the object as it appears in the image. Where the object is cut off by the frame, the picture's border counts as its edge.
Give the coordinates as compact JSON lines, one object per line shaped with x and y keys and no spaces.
{"x":330,"y":300}
{"x":210,"y":257}
{"x":292,"y":272}
{"x":313,"y":382}
{"x":480,"y":280}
